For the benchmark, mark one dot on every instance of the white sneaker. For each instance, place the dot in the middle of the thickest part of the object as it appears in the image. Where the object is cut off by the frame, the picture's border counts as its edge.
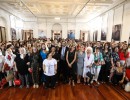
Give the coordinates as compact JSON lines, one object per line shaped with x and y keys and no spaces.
{"x":97,"y":82}
{"x":91,"y":82}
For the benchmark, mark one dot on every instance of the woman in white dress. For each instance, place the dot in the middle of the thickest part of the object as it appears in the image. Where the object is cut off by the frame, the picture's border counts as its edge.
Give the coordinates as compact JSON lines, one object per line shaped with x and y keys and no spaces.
{"x":88,"y":62}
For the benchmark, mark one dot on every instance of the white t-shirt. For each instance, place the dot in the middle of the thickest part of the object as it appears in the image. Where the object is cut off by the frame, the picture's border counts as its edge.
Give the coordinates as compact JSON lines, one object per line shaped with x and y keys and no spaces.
{"x":49,"y":67}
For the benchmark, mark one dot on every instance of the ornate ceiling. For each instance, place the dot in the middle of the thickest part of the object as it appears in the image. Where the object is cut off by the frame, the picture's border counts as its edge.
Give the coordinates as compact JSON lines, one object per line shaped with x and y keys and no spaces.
{"x":54,"y":8}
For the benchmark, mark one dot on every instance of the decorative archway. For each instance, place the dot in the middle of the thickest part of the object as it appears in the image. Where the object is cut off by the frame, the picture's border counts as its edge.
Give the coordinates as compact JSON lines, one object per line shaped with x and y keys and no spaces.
{"x":56,"y":32}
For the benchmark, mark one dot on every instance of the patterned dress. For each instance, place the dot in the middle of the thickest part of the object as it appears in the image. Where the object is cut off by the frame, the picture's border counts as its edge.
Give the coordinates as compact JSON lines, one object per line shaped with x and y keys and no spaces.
{"x":35,"y":67}
{"x":115,"y":57}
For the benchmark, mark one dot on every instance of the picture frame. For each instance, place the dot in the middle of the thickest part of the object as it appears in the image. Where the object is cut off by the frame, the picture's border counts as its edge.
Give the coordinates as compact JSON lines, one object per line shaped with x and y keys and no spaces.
{"x":3,"y":34}
{"x":42,"y":33}
{"x":27,"y":34}
{"x":116,"y":32}
{"x":71,"y":34}
{"x":13,"y":34}
{"x":95,"y":35}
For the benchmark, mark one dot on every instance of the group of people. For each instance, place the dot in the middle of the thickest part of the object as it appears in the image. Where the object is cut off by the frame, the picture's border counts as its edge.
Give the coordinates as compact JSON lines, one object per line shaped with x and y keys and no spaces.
{"x":69,"y":61}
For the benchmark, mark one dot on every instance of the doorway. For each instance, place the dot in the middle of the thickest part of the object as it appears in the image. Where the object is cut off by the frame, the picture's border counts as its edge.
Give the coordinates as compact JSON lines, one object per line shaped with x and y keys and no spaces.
{"x":56,"y":32}
{"x":27,"y":34}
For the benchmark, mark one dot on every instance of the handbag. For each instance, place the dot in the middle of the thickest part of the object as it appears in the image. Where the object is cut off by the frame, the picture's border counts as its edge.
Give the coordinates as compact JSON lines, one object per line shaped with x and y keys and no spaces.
{"x":17,"y":82}
{"x":9,"y":77}
{"x":89,"y":75}
{"x":127,"y":87}
{"x":6,"y":67}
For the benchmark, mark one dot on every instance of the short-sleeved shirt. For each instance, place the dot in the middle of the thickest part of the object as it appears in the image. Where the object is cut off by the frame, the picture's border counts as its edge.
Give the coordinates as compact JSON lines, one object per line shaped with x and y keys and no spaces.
{"x":49,"y":67}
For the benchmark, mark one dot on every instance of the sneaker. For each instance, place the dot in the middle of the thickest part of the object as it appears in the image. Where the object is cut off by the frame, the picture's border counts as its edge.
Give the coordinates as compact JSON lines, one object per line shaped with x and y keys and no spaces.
{"x":91,"y":82}
{"x":27,"y":86}
{"x":97,"y":82}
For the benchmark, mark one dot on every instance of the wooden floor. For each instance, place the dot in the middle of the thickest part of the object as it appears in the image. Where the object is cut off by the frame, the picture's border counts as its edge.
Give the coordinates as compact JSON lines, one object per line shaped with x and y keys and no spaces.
{"x":66,"y":92}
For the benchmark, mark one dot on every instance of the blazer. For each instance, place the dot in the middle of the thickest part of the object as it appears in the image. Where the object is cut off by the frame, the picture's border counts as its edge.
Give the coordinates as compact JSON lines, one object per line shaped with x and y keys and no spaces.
{"x":60,"y":50}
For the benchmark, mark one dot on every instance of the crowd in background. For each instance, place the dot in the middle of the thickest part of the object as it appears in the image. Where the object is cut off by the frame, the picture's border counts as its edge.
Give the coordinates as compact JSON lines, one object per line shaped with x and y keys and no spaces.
{"x":68,"y":61}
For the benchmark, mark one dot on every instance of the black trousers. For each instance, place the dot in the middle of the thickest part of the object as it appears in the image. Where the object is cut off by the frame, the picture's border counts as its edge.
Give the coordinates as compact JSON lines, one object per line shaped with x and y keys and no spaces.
{"x":116,"y":78}
{"x":50,"y":81}
{"x":35,"y":75}
{"x":24,"y":78}
{"x":63,"y":70}
{"x":105,"y":72}
{"x":72,"y":72}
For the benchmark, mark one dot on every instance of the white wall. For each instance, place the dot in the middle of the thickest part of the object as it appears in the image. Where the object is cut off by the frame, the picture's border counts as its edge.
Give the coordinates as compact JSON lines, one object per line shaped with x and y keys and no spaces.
{"x":112,"y":17}
{"x":126,"y":23}
{"x":5,"y":21}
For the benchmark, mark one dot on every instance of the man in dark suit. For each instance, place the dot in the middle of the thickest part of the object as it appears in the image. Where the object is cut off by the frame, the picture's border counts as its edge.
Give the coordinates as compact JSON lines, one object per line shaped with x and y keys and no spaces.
{"x":63,"y":69}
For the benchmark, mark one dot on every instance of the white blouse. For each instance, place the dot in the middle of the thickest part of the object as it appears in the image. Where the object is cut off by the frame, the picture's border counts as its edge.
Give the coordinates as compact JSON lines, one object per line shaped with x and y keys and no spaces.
{"x":88,"y":60}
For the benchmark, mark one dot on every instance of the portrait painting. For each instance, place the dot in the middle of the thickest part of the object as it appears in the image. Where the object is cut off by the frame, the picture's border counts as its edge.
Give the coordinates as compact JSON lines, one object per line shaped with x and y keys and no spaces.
{"x":41,"y":33}
{"x":71,"y":34}
{"x":83,"y":35}
{"x":103,"y":34}
{"x":13,"y":34}
{"x":95,"y":35}
{"x":116,"y":31}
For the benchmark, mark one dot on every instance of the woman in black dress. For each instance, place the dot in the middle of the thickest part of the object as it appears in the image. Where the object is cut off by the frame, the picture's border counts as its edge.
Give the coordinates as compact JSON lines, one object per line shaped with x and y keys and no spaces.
{"x":22,"y":63}
{"x":105,"y":70}
{"x":72,"y":67}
